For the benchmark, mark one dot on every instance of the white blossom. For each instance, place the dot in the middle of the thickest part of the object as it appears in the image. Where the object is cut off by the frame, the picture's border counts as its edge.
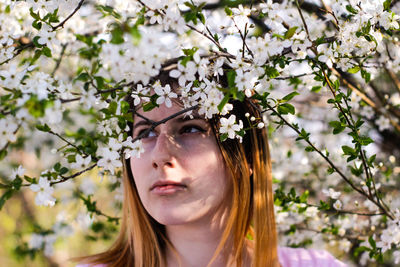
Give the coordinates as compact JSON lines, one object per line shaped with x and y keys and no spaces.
{"x":8,"y":129}
{"x":165,"y":95}
{"x":337,"y":205}
{"x":183,"y":73}
{"x":109,"y":160}
{"x":132,"y":149}
{"x":18,"y":172}
{"x":44,"y":192}
{"x":80,"y":162}
{"x":383,"y":123}
{"x":230,"y":127}
{"x":331,"y":193}
{"x":36,"y":241}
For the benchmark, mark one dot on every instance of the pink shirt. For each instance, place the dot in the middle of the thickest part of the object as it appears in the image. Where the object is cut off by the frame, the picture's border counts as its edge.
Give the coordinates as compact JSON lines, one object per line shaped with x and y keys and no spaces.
{"x":299,"y":257}
{"x":292,"y":257}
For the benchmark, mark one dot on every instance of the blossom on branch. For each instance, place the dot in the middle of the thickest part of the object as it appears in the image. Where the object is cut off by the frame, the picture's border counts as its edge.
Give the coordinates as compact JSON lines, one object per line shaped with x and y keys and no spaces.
{"x":44,"y":192}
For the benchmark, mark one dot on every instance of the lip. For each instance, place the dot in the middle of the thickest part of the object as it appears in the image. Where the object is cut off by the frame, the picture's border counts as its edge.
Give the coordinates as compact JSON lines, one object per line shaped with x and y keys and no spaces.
{"x":166,"y":187}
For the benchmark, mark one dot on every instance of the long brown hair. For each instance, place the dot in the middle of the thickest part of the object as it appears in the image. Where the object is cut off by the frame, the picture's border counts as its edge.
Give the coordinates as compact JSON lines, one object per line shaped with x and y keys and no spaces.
{"x":142,"y":241}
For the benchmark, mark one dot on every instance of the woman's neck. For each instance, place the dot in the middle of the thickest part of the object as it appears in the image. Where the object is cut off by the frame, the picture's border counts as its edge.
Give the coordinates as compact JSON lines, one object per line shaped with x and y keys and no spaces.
{"x":196,"y":243}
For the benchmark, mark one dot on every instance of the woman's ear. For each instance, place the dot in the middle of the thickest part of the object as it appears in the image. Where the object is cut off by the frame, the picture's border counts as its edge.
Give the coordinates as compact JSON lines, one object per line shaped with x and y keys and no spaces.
{"x":251,"y":171}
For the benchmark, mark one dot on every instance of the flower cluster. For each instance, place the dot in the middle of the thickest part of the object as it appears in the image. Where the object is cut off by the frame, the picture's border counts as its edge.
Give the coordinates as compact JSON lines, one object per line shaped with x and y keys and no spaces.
{"x":325,"y":77}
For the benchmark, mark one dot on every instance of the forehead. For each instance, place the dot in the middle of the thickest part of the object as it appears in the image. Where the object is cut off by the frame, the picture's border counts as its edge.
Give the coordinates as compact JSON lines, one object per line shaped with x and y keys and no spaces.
{"x":163,"y":112}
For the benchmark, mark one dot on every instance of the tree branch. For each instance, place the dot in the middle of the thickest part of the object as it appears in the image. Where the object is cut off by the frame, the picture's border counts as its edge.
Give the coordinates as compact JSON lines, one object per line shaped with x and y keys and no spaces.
{"x":61,"y":24}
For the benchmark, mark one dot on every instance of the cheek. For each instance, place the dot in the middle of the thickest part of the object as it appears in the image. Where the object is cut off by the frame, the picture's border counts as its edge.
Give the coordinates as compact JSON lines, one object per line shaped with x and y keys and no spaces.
{"x":208,"y":165}
{"x":138,"y":172}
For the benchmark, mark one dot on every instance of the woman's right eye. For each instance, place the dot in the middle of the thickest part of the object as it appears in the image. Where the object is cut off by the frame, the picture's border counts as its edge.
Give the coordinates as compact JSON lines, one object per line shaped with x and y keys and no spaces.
{"x":146,"y":133}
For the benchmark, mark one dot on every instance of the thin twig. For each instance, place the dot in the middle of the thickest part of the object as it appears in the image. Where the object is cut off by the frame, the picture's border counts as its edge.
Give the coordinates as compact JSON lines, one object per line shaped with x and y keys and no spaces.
{"x":351,"y":123}
{"x":61,"y":24}
{"x":58,"y":62}
{"x":65,"y":178}
{"x":303,"y":20}
{"x":155,"y":124}
{"x":205,"y":35}
{"x":348,"y":211}
{"x":19,"y":50}
{"x":68,"y":142}
{"x":293,"y":76}
{"x":332,"y":165}
{"x":394,"y":78}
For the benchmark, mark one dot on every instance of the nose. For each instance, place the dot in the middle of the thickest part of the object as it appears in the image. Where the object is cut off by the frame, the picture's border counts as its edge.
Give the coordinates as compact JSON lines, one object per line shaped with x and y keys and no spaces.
{"x":163,"y":154}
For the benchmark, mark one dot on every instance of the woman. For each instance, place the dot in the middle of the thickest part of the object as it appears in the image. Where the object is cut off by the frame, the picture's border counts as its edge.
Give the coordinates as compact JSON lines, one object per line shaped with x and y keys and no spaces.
{"x":192,"y":200}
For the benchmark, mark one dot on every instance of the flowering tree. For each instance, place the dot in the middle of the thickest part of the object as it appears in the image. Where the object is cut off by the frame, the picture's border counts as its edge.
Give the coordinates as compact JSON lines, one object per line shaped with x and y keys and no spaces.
{"x":324,"y":73}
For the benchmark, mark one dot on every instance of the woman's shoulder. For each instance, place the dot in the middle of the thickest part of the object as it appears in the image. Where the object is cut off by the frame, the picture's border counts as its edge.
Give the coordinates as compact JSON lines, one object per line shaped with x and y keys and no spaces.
{"x":298,"y":257}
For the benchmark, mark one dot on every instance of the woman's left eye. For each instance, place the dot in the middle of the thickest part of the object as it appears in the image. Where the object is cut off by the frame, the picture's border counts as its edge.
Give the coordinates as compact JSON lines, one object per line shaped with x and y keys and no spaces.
{"x":192,"y":129}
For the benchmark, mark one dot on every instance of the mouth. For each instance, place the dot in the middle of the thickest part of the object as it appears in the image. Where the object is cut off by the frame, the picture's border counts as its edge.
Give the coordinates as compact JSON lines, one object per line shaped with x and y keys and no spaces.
{"x":167,"y":187}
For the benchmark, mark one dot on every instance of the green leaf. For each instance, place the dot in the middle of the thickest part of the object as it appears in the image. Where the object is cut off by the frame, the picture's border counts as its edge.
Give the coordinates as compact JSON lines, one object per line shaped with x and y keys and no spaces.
{"x":223,"y":137}
{"x":304,"y":196}
{"x":316,"y":89}
{"x":34,"y":15}
{"x":290,"y":96}
{"x":330,"y":170}
{"x":191,"y":16}
{"x":289,"y":33}
{"x":83,"y":77}
{"x":351,"y":9}
{"x":337,"y":127}
{"x":309,"y":149}
{"x":99,"y":82}
{"x":358,"y":250}
{"x":354,"y":69}
{"x":348,"y":150}
{"x":136,"y":35}
{"x":17,"y":183}
{"x":37,"y":25}
{"x":371,"y":241}
{"x":36,"y":43}
{"x":63,"y":170}
{"x":57,"y":166}
{"x":201,"y":17}
{"x":46,"y":51}
{"x":190,"y":52}
{"x":113,"y":107}
{"x":271,"y":72}
{"x":323,"y":205}
{"x":6,"y":196}
{"x":3,"y":154}
{"x":366,"y":75}
{"x":108,"y":10}
{"x":223,"y":102}
{"x":228,"y":11}
{"x":43,"y":128}
{"x":117,"y":35}
{"x":231,"y":76}
{"x":356,"y":171}
{"x":365,"y":140}
{"x":149,"y":106}
{"x":286,"y":108}
{"x":386,"y":5}
{"x":371,"y":160}
{"x":124,"y":107}
{"x":336,"y":84}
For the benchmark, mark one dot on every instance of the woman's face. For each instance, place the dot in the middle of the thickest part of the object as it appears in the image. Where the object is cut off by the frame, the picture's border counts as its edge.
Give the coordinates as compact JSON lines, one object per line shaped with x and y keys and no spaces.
{"x":181,"y":177}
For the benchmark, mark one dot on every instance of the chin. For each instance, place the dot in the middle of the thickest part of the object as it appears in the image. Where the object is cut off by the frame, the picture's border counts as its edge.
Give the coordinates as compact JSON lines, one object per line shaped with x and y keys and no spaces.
{"x":167,"y":219}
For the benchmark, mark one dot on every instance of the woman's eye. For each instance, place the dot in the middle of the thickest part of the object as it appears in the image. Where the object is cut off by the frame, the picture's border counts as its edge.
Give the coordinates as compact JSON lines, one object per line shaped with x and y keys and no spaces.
{"x":146,"y":133}
{"x":192,"y":129}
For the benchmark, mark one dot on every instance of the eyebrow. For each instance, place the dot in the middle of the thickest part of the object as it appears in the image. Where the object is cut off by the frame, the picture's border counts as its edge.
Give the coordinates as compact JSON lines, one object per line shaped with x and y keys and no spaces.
{"x":179,"y":119}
